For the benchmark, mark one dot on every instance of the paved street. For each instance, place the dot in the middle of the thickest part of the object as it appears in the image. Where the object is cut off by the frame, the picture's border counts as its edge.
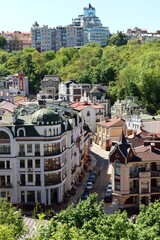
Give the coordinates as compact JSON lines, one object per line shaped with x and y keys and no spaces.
{"x":99,"y":163}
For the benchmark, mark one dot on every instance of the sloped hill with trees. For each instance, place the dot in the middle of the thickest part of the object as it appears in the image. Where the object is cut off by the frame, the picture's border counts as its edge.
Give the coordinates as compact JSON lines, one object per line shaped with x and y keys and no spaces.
{"x":131,"y":69}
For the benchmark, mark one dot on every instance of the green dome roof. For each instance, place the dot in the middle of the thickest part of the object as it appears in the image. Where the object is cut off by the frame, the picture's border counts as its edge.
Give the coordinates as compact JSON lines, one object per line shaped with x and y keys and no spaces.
{"x":45,"y":116}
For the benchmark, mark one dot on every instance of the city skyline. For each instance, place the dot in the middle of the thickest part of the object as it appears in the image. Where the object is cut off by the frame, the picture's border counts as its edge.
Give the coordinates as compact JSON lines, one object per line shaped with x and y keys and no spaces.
{"x":117,"y":15}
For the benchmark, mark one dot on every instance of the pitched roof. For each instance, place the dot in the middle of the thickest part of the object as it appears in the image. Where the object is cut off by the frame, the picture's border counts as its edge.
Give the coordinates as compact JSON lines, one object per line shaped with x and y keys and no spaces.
{"x":113,"y":122}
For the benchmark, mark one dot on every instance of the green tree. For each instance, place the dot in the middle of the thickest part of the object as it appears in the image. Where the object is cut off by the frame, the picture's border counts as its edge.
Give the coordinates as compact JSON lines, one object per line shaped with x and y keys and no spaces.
{"x":3,"y":42}
{"x":10,"y":220}
{"x":118,"y":39}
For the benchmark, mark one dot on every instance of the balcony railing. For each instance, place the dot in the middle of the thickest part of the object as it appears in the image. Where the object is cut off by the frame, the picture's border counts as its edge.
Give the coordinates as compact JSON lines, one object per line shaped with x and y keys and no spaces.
{"x":6,"y":185}
{"x":37,"y":153}
{"x":74,"y":169}
{"x":21,"y":154}
{"x":134,"y":190}
{"x":52,"y":182}
{"x":146,"y":174}
{"x":52,"y":168}
{"x":144,"y":190}
{"x":53,"y":153}
{"x":155,"y":174}
{"x":155,"y":189}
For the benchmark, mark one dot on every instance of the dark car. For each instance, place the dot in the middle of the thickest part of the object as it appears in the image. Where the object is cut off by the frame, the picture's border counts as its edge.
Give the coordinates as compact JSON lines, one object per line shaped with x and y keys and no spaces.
{"x":91,"y":179}
{"x":108,"y":197}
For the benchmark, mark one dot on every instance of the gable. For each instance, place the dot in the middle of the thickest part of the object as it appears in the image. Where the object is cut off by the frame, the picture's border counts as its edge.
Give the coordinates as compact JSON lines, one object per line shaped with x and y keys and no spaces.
{"x":116,"y":154}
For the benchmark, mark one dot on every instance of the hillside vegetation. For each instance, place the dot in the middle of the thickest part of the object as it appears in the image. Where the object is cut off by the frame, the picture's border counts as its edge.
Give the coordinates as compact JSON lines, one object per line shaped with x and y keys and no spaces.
{"x":132,"y":69}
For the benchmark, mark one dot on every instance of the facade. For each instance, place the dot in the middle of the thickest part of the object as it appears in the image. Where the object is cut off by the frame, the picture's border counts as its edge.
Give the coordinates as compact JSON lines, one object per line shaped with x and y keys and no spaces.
{"x":72,"y":91}
{"x":41,"y":155}
{"x":135,"y":172}
{"x":142,"y":34}
{"x":91,"y":113}
{"x":86,"y":28}
{"x":49,"y":87}
{"x":93,"y":29}
{"x":17,"y":40}
{"x":109,"y":131}
{"x":12,"y":86}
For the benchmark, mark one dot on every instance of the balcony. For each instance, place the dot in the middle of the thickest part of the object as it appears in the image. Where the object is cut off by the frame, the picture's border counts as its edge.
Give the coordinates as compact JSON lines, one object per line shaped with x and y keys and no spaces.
{"x":37,"y":153}
{"x":144,"y":174}
{"x":144,"y":190}
{"x":155,"y":174}
{"x":73,"y":169}
{"x":53,"y":182}
{"x":6,"y":185}
{"x":155,"y":189}
{"x":140,"y":174}
{"x":53,"y":153}
{"x":52,"y":168}
{"x":134,"y":190}
{"x":21,"y":154}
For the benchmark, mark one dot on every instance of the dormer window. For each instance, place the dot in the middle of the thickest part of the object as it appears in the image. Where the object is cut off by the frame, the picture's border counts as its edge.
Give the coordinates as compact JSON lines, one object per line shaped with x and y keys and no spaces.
{"x":21,"y":133}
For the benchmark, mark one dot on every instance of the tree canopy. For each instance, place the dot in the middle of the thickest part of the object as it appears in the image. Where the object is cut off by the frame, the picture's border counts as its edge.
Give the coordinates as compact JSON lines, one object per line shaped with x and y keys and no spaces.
{"x":87,"y":220}
{"x":11,"y":221}
{"x":130,"y":69}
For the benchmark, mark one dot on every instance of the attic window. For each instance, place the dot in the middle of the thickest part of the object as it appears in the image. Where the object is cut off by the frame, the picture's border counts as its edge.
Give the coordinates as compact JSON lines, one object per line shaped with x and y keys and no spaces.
{"x":117,"y":155}
{"x":88,"y":113}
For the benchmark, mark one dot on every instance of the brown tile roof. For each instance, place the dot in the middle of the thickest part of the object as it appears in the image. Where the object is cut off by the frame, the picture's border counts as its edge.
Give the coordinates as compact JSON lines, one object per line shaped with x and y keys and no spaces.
{"x":113,"y":122}
{"x":146,"y":154}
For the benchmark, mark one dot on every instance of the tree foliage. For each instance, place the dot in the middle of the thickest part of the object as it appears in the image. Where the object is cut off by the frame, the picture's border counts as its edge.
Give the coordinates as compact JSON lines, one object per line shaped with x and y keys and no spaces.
{"x":127,"y":69}
{"x":3,"y":42}
{"x":11,"y":221}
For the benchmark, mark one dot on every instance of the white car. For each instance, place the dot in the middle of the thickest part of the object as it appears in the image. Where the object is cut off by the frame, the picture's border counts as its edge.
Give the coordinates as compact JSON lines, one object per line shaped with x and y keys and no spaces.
{"x":109,"y":188}
{"x":89,"y":185}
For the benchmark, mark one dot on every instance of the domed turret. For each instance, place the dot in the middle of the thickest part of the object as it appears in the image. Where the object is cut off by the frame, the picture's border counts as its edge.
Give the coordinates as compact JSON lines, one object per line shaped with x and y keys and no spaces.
{"x":46,"y":116}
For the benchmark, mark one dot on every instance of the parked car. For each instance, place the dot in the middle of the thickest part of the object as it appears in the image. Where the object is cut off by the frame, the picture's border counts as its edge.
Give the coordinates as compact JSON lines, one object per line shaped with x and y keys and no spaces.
{"x":92,"y":179}
{"x":108,"y":197}
{"x":89,"y":185}
{"x":109,"y":188}
{"x":94,"y":173}
{"x":85,"y":195}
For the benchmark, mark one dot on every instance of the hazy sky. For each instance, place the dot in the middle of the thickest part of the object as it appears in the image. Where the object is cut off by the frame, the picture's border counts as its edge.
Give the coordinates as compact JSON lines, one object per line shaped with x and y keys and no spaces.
{"x":19,"y":15}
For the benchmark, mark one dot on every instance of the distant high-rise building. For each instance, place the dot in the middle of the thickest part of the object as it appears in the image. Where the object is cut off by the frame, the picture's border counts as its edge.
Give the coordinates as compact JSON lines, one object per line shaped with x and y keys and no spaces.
{"x":84,"y":29}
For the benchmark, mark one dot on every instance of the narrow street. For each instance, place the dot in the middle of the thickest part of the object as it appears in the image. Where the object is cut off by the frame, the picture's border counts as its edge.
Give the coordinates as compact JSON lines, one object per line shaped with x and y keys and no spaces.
{"x":101,"y":158}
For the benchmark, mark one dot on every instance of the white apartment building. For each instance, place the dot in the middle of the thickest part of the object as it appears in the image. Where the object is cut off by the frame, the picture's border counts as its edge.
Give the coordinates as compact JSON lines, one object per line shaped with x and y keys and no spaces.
{"x":41,"y":155}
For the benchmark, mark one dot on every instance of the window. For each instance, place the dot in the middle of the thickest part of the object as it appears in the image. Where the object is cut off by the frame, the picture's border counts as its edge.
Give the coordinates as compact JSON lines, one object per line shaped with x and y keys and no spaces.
{"x":21,"y":148}
{"x":30,"y":196}
{"x":22,"y":164}
{"x":29,"y":148}
{"x":8,"y":164}
{"x":117,"y":168}
{"x":88,"y":113}
{"x":117,"y":185}
{"x":2,"y":164}
{"x":22,"y":180}
{"x":22,"y":196}
{"x":37,"y":163}
{"x":30,"y":177}
{"x":21,"y":133}
{"x":30,"y":163}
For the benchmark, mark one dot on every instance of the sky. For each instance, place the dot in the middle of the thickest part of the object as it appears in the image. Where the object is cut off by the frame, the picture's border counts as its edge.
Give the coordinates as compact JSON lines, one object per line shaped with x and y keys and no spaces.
{"x":118,"y":15}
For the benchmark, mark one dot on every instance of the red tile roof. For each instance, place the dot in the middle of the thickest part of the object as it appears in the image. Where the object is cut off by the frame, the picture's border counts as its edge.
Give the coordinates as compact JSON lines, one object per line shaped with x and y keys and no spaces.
{"x":113,"y":122}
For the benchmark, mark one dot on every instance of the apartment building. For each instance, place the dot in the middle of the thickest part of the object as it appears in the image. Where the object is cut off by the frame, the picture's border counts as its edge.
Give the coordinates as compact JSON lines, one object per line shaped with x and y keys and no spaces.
{"x":41,"y":155}
{"x":17,"y":40}
{"x":14,"y":85}
{"x":84,"y":29}
{"x":135,"y":172}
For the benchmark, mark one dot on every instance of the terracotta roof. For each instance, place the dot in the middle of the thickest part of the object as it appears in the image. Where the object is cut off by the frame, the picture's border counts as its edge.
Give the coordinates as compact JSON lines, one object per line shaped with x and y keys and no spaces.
{"x":113,"y":122}
{"x":146,"y":154}
{"x":79,"y":106}
{"x":7,"y":106}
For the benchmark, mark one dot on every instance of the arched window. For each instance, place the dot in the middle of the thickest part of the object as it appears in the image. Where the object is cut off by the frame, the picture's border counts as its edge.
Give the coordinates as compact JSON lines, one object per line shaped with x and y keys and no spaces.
{"x":21,"y":133}
{"x":4,"y":135}
{"x":117,"y":168}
